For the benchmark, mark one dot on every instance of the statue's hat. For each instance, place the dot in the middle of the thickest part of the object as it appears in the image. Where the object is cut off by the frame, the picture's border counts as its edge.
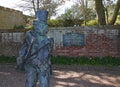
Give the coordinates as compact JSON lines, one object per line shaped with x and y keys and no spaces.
{"x":42,"y":15}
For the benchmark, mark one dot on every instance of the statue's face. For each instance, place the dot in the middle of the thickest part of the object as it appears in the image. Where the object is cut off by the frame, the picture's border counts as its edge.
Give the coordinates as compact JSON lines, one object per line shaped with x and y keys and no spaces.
{"x":40,"y":27}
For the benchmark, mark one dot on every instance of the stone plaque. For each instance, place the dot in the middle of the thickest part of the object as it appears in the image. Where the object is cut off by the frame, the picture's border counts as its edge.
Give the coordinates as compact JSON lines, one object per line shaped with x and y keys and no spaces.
{"x":73,"y":39}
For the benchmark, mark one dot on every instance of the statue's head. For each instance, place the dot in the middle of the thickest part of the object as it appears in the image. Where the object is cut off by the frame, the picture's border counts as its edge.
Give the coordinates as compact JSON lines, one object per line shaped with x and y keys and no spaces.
{"x":40,"y":24}
{"x":40,"y":27}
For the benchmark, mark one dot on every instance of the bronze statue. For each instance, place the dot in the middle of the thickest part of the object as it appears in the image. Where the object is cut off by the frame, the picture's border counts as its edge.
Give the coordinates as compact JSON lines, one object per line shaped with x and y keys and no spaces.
{"x":35,"y":51}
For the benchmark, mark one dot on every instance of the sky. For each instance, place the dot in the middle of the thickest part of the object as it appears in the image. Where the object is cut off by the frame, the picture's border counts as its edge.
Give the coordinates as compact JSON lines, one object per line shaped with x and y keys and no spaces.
{"x":8,"y":3}
{"x":12,"y":4}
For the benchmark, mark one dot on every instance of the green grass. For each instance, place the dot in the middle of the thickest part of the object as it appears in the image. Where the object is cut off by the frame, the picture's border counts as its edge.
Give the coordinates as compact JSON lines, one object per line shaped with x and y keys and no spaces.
{"x":62,"y":60}
{"x":105,"y":61}
{"x":4,"y":59}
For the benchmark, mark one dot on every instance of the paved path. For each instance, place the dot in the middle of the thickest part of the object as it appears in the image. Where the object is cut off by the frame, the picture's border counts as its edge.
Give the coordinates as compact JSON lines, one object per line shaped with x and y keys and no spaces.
{"x":66,"y":76}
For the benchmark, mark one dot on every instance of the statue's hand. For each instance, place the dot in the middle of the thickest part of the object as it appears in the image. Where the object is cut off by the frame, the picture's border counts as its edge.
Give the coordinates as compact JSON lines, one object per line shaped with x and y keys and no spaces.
{"x":20,"y":64}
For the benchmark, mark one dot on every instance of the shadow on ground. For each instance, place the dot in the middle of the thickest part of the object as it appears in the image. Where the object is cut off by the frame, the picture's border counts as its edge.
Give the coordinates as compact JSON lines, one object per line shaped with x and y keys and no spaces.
{"x":66,"y":76}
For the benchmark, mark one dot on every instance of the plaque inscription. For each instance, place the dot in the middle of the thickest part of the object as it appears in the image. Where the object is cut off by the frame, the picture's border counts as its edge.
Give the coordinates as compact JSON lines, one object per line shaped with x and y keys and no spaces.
{"x":73,"y":39}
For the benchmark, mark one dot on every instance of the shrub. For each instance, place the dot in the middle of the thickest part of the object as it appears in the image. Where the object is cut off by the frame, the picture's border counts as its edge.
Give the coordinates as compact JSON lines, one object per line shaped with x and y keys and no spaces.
{"x":92,"y":22}
{"x":54,"y":23}
{"x":19,"y":27}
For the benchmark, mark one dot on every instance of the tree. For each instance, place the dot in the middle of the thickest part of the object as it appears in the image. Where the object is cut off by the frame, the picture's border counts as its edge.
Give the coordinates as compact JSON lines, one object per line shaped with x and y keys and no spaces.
{"x":76,"y":16}
{"x":116,"y":11}
{"x":35,"y":5}
{"x":102,"y":12}
{"x":108,"y":6}
{"x":67,"y":18}
{"x":84,"y":8}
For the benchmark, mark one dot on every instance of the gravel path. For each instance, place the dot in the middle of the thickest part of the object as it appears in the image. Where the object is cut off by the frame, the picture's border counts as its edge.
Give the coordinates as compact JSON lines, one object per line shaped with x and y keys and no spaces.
{"x":66,"y":76}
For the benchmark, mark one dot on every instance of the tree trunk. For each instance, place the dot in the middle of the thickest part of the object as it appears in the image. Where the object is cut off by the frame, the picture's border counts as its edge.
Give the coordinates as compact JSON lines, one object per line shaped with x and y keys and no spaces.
{"x":34,"y":7}
{"x":100,"y":12}
{"x":116,"y":11}
{"x":37,"y":5}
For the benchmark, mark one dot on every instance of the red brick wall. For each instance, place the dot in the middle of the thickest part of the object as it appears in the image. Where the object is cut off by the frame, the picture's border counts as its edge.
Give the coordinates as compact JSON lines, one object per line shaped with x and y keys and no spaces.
{"x":96,"y":44}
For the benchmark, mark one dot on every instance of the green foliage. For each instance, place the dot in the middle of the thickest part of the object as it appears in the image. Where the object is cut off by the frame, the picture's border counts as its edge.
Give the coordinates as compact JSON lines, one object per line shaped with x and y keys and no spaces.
{"x":19,"y":27}
{"x":62,"y":60}
{"x":105,"y":61}
{"x":30,"y":27}
{"x":55,"y":23}
{"x":76,"y":15}
{"x":4,"y":59}
{"x":64,"y":23}
{"x":68,"y":23}
{"x":118,"y":20}
{"x":92,"y":23}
